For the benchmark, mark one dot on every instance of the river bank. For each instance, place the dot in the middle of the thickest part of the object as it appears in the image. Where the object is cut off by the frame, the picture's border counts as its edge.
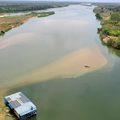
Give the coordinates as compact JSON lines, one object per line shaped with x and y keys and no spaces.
{"x":109,"y":16}
{"x":4,"y":111}
{"x":9,"y":22}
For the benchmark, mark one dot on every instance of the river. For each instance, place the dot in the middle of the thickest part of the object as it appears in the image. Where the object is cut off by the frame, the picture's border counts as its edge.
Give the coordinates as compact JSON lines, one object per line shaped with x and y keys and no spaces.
{"x":42,"y":44}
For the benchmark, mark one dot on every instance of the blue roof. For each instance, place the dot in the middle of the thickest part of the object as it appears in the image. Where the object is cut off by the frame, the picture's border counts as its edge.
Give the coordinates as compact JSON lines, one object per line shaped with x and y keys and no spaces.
{"x":20,"y":103}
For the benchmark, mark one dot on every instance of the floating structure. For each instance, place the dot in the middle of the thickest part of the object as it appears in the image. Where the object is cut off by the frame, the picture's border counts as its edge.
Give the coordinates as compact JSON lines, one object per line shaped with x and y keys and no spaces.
{"x":20,"y":105}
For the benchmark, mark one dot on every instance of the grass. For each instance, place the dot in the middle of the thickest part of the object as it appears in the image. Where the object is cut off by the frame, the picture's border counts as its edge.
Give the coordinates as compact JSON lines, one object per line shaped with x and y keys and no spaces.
{"x":45,"y":14}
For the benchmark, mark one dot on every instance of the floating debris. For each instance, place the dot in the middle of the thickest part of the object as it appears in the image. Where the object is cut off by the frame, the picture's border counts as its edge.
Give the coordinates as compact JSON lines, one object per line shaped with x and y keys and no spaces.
{"x":86,"y":66}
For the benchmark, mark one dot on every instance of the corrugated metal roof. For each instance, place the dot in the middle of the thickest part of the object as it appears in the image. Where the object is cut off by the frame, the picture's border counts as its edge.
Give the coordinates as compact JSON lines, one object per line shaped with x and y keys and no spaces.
{"x":20,"y":103}
{"x":24,"y":109}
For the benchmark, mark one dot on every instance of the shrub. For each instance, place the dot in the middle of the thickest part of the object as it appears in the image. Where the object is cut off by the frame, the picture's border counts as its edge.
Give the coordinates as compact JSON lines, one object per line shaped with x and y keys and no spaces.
{"x":98,"y":16}
{"x":115,"y":32}
{"x":106,"y":31}
{"x":115,"y":17}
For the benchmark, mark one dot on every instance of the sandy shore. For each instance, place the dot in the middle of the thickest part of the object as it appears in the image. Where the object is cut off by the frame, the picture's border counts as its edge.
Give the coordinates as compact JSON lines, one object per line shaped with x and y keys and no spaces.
{"x":4,"y":111}
{"x":72,"y":65}
{"x":9,"y":22}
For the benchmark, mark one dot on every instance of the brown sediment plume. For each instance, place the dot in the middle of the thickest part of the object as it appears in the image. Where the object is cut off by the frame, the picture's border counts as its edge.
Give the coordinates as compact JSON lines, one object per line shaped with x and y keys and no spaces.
{"x":72,"y":65}
{"x":15,"y":40}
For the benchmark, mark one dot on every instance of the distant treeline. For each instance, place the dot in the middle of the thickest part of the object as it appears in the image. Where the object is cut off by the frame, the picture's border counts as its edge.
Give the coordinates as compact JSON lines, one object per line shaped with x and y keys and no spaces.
{"x":11,"y":7}
{"x":115,"y":7}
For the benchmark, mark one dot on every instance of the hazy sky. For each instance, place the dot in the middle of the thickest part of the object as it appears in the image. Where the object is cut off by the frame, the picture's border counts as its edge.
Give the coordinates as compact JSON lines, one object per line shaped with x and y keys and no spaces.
{"x":70,"y":0}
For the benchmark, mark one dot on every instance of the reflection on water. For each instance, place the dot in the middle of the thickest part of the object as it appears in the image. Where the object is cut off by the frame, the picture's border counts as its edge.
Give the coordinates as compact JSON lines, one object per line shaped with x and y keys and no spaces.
{"x":33,"y":118}
{"x":114,"y":51}
{"x":111,"y":50}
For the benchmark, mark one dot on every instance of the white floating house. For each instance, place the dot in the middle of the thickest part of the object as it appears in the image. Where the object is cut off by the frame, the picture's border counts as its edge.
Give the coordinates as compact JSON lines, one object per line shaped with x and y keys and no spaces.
{"x":20,"y":105}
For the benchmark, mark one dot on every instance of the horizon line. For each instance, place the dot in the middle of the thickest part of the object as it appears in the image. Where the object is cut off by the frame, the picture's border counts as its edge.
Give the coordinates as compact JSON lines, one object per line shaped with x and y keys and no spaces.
{"x":58,"y":1}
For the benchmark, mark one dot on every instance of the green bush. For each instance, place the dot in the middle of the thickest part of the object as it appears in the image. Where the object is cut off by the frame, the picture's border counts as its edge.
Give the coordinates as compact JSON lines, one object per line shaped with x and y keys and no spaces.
{"x":98,"y":16}
{"x":116,"y":43}
{"x":2,"y":32}
{"x":105,"y":31}
{"x":115,"y":17}
{"x":115,"y":32}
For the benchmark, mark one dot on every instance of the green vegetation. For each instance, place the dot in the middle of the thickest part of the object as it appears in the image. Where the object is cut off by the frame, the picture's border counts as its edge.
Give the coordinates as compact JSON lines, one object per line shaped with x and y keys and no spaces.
{"x":9,"y":22}
{"x":24,"y":6}
{"x":110,"y":21}
{"x":115,"y":17}
{"x":45,"y":14}
{"x":27,"y":6}
{"x":2,"y":32}
{"x":98,"y":16}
